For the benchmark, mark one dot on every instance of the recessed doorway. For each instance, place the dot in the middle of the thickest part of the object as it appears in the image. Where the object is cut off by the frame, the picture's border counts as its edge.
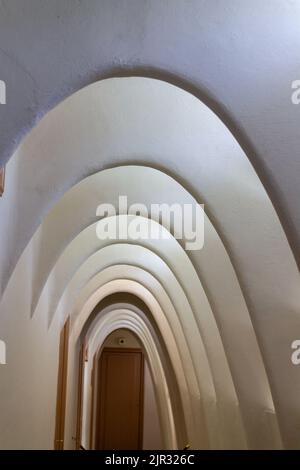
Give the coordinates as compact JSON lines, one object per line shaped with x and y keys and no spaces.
{"x":126,"y":413}
{"x":120,"y":405}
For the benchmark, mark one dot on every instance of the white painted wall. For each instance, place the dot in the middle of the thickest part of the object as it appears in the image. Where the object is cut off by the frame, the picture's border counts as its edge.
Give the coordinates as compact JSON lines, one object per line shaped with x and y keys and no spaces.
{"x":152,"y":438}
{"x":28,"y":380}
{"x":131,"y":340}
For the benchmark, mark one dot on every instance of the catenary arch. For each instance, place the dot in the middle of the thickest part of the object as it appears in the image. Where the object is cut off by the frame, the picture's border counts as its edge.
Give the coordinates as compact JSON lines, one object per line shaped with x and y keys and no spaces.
{"x":112,"y":319}
{"x":206,"y":371}
{"x":163,"y":46}
{"x":186,"y":379}
{"x":204,"y":408}
{"x":86,"y":196}
{"x":254,"y":398}
{"x":212,"y":250}
{"x":134,"y":304}
{"x":49,"y":247}
{"x":197,"y":134}
{"x":212,"y":253}
{"x":253,"y":254}
{"x":177,"y":259}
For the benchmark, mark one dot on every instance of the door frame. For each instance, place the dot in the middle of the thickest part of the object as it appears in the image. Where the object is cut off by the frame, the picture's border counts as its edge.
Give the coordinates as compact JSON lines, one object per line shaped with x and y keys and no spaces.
{"x":99,"y":392}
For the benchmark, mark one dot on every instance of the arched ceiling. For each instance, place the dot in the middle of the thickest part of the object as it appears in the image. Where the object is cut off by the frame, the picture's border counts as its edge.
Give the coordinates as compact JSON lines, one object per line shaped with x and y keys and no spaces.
{"x":210,"y":304}
{"x":239,"y":57}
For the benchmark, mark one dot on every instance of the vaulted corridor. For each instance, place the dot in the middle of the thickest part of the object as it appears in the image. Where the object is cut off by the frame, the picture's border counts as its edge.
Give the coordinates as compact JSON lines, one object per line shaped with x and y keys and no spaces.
{"x":150,"y":293}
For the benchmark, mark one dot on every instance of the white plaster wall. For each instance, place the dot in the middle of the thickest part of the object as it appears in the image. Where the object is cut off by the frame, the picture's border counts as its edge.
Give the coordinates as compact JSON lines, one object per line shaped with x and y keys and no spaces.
{"x":130,"y":340}
{"x":152,"y":433}
{"x":28,"y":381}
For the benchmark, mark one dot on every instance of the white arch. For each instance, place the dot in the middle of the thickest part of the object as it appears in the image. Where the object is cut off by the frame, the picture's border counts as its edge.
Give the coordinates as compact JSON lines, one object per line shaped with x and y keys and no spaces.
{"x":185,"y":376}
{"x":227,"y":405}
{"x":138,"y":307}
{"x":213,"y":262}
{"x":245,"y":338}
{"x":125,"y":318}
{"x":186,"y":277}
{"x":254,"y":237}
{"x":98,"y":263}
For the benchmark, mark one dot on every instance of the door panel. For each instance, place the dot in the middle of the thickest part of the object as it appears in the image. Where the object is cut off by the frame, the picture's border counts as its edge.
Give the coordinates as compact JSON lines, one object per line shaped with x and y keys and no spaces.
{"x":120,"y":409}
{"x":82,"y":357}
{"x":61,"y":387}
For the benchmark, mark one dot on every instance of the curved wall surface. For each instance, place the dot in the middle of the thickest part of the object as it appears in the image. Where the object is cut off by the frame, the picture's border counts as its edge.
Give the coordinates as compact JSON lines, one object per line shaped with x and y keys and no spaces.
{"x":155,"y":144}
{"x":240,"y":58}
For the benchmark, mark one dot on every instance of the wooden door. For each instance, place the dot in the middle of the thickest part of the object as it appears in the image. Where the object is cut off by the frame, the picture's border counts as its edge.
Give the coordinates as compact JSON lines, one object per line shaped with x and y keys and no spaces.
{"x":2,"y":179}
{"x":61,"y":388}
{"x":82,"y":359}
{"x":120,"y":404}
